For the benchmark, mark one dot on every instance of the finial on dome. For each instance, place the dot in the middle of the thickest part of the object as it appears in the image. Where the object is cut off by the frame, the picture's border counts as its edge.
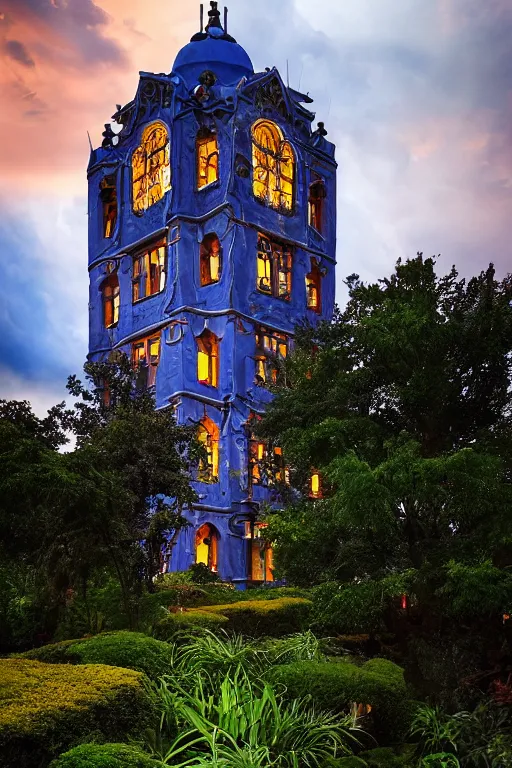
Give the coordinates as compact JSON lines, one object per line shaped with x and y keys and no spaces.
{"x":213,"y":16}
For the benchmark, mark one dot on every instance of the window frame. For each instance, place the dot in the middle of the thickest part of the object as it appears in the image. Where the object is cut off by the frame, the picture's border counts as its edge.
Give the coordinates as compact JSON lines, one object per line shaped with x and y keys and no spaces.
{"x":273,"y":158}
{"x":152,"y":367}
{"x":113,"y":300}
{"x":206,"y":257}
{"x":314,"y":282}
{"x":272,"y":346}
{"x":142,"y":271}
{"x":203,"y":139}
{"x":277,"y":258}
{"x":109,"y":202}
{"x":208,"y":345}
{"x":144,"y":154}
{"x":210,"y":473}
{"x":316,"y":205}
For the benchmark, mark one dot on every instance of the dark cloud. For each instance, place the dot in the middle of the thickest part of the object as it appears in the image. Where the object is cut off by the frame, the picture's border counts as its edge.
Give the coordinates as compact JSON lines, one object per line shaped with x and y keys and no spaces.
{"x":81,"y":24}
{"x":18,"y":52}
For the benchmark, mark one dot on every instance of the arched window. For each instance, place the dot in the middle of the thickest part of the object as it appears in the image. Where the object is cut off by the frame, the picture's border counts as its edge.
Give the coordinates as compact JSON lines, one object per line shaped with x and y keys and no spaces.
{"x":207,"y":158}
{"x":208,"y":437}
{"x":274,"y":268}
{"x":151,"y":169}
{"x":208,"y":359}
{"x":314,"y":287}
{"x":210,"y":257}
{"x":108,"y":196}
{"x":273,"y":164}
{"x":111,"y":301}
{"x":317,"y":195}
{"x":207,"y":546}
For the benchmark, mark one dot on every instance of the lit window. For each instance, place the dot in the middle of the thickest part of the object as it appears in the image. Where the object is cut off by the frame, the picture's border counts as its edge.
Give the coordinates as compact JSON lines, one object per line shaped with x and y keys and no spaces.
{"x":273,"y":166}
{"x":317,"y":195}
{"x":145,"y":359}
{"x":208,"y":359}
{"x":111,"y":301}
{"x":265,"y":468}
{"x":315,"y":485}
{"x":148,"y":275}
{"x":261,"y":553}
{"x":208,"y":437}
{"x":272,"y":350}
{"x":314,"y":287}
{"x":207,"y":545}
{"x":151,"y":169}
{"x":210,"y":260}
{"x":207,"y":158}
{"x":108,"y":196}
{"x":274,"y":268}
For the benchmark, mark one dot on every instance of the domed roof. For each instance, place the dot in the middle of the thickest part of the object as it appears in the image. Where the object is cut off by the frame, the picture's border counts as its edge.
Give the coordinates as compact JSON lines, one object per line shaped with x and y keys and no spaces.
{"x":213,"y":49}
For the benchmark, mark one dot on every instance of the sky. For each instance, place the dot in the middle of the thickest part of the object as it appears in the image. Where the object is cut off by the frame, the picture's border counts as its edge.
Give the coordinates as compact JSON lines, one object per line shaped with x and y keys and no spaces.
{"x":416,"y":94}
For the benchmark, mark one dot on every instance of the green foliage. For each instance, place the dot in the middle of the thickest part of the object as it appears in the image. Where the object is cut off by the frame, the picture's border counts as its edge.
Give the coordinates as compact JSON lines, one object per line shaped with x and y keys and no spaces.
{"x":345,"y":762}
{"x":481,"y":591}
{"x":384,"y":757}
{"x":335,"y":687}
{"x":201,"y":574}
{"x":173,"y":623}
{"x":131,"y":650}
{"x":105,"y":756}
{"x":249,"y":716}
{"x":45,"y":709}
{"x":303,"y":646}
{"x":281,"y":616}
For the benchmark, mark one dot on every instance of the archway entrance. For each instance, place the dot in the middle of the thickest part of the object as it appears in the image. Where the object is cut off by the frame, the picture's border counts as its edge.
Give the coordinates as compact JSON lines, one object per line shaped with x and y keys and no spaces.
{"x":207,"y":546}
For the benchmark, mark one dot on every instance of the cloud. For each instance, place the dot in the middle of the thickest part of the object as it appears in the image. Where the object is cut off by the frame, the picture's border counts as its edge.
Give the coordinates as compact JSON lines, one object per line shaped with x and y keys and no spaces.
{"x":18,"y":52}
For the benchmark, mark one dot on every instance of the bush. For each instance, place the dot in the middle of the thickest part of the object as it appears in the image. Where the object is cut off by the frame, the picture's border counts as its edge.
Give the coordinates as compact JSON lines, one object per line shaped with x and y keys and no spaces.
{"x":335,"y":686}
{"x":275,"y":618}
{"x":105,"y":756}
{"x":383,"y":757}
{"x":48,"y":708}
{"x":117,"y":649}
{"x":166,"y":628}
{"x":345,"y":762}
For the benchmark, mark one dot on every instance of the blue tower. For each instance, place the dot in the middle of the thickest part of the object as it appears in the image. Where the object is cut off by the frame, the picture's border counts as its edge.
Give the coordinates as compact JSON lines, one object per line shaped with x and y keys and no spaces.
{"x":212,"y":232}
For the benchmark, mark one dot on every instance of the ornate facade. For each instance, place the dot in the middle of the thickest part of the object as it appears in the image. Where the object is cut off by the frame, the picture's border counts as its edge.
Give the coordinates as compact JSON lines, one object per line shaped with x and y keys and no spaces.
{"x":212,"y":228}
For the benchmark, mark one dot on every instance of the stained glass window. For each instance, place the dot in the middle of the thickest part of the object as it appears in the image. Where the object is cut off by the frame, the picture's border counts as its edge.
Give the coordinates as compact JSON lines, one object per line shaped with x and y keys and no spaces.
{"x":148,"y":276}
{"x":273,"y":163}
{"x":151,"y":169}
{"x":274,"y":268}
{"x":207,"y":159}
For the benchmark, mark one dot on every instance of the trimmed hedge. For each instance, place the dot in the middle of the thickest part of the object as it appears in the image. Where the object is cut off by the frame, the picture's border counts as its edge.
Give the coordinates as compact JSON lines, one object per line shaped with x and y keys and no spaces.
{"x":48,"y":708}
{"x":105,"y":756}
{"x":166,"y":628}
{"x":334,"y":686}
{"x":282,"y":616}
{"x":130,"y":650}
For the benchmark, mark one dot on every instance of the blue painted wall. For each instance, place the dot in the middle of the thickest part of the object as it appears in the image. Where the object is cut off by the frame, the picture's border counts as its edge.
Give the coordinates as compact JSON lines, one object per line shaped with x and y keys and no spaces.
{"x":232,"y":307}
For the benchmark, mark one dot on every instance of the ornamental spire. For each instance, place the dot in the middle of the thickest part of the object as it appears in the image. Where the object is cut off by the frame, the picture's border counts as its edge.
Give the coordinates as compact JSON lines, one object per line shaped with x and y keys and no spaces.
{"x":214,"y":17}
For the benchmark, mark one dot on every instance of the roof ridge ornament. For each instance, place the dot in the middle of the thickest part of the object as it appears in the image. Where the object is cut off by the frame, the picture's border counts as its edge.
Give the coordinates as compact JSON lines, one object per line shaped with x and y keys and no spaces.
{"x":214,"y":17}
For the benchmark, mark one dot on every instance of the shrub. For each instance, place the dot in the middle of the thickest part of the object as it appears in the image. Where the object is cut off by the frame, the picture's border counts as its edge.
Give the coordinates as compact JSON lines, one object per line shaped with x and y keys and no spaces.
{"x":383,"y":757}
{"x":48,"y":708}
{"x":105,"y":756}
{"x":332,"y":686}
{"x":345,"y":762}
{"x":117,"y":649}
{"x":282,"y":616}
{"x":167,"y":627}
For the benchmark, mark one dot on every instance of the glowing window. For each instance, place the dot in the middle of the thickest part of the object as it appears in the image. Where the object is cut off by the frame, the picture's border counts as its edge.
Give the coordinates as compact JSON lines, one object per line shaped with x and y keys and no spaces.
{"x":272,"y":350}
{"x":148,"y":275}
{"x":315,"y":485}
{"x":208,"y":359}
{"x":207,"y":159}
{"x":145,"y":360}
{"x":111,"y":301}
{"x":208,"y":437}
{"x":151,"y":169}
{"x":273,"y":166}
{"x":314,"y":288}
{"x":108,"y":196}
{"x":274,"y":268}
{"x":207,"y":546}
{"x":210,"y":256}
{"x":266,"y":467}
{"x":317,"y":195}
